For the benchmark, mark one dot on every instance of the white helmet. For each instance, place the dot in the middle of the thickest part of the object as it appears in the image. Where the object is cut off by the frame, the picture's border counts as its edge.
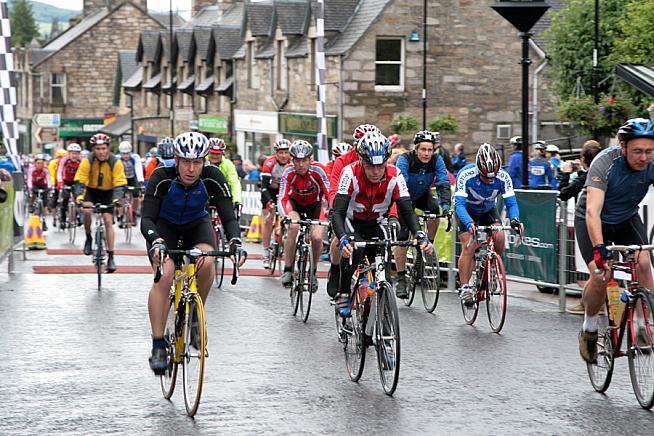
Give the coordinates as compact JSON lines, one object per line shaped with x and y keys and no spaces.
{"x":340,"y":148}
{"x":125,"y":147}
{"x":74,"y":147}
{"x":551,"y":148}
{"x":191,"y":145}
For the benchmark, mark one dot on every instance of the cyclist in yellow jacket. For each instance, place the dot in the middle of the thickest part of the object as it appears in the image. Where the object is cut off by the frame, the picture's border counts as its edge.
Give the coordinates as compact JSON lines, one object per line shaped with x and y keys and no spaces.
{"x":53,"y":168}
{"x":100,"y":178}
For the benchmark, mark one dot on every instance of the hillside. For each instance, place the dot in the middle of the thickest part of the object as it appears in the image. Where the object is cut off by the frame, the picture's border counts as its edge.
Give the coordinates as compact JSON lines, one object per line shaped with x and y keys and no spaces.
{"x":44,"y":14}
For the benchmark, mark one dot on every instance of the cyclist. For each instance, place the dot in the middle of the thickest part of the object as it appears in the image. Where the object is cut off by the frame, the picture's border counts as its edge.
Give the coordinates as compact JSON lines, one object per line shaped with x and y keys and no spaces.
{"x":607,"y":212}
{"x":515,"y":162}
{"x":345,"y":159}
{"x":366,"y":191}
{"x":217,"y":157}
{"x":338,"y":149}
{"x":66,"y":178}
{"x":38,"y":177}
{"x":271,"y":174}
{"x":397,"y":149}
{"x":174,"y":209}
{"x":541,"y":175}
{"x":133,"y":174}
{"x":477,"y":188}
{"x":100,"y":178}
{"x":302,"y":188}
{"x":53,"y":169}
{"x":421,"y":168}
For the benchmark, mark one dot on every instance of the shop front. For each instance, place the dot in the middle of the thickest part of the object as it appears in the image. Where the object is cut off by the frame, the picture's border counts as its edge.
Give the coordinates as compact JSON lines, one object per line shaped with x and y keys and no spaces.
{"x":305,"y":126}
{"x":213,"y":125}
{"x":79,"y":130}
{"x":256,"y":132}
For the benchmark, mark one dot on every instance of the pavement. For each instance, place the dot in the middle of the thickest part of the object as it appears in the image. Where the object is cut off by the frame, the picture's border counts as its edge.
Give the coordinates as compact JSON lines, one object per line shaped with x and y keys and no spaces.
{"x":75,"y":362}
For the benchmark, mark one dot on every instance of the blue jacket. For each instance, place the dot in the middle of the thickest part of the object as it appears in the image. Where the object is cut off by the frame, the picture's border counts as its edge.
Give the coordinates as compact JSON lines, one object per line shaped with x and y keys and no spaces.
{"x":541,"y":174}
{"x":515,"y":168}
{"x":419,"y":177}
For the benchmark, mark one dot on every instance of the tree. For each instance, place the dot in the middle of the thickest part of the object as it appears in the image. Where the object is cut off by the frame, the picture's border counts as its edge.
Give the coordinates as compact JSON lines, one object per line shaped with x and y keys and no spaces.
{"x":637,"y":29}
{"x":23,"y":26}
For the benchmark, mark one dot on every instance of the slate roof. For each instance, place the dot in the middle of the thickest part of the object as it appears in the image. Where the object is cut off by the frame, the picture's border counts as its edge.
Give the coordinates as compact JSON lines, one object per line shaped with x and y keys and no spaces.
{"x":258,"y":17}
{"x":149,"y":48}
{"x":119,"y":126}
{"x":338,"y":13}
{"x":38,"y":54}
{"x":128,"y":63}
{"x":298,"y":48}
{"x":153,"y":82}
{"x":233,"y":16}
{"x":545,"y":21}
{"x":228,"y":40}
{"x":364,"y":16}
{"x":206,"y":86}
{"x":292,"y":16}
{"x":206,"y":16}
{"x":266,"y":51}
{"x":185,"y":44}
{"x":134,"y":81}
{"x":164,"y":18}
{"x":204,"y":42}
{"x":165,"y":44}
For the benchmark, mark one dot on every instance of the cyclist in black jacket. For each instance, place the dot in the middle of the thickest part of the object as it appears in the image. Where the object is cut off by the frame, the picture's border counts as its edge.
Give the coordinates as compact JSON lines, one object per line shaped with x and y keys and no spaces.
{"x":175,"y":215}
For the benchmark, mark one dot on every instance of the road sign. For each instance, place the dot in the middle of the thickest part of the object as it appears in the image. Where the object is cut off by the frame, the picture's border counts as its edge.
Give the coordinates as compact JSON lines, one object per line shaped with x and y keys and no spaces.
{"x":44,"y":135}
{"x":47,"y":120}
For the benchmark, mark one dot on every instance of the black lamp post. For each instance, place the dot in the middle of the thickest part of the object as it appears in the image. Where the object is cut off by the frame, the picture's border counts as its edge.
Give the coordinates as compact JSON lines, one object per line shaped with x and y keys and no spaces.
{"x":523,"y":14}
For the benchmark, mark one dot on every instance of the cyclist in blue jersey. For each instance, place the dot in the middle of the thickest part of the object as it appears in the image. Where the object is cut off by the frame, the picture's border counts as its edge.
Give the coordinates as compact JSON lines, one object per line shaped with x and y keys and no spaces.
{"x":477,"y":188}
{"x":421,"y":169}
{"x":541,"y":175}
{"x":515,"y":162}
{"x":607,"y":213}
{"x":175,"y":215}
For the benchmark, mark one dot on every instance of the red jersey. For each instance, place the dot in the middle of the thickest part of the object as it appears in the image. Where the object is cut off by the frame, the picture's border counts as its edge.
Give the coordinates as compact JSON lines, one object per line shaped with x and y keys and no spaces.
{"x":66,"y":171}
{"x":336,"y":170}
{"x":38,"y":178}
{"x":304,"y":190}
{"x":273,"y":169}
{"x":371,"y":201}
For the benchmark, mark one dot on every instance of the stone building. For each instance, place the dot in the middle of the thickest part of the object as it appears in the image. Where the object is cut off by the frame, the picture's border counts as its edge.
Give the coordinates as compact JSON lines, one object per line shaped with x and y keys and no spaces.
{"x":74,"y":75}
{"x":373,"y":70}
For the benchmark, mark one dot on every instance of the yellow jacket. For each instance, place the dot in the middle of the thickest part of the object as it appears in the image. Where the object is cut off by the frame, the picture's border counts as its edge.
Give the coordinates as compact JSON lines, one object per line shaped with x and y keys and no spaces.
{"x":52,"y":168}
{"x":88,"y":173}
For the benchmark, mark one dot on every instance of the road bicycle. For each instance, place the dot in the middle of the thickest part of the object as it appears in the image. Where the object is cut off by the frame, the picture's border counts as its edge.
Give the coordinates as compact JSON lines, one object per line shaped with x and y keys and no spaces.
{"x":185,"y":332}
{"x":221,"y":244}
{"x":276,"y":249}
{"x":304,"y":268}
{"x":126,"y":216}
{"x":38,"y":206}
{"x":373,"y":317}
{"x":424,"y":269}
{"x":69,"y":210}
{"x":488,"y":280}
{"x":637,"y":322}
{"x":99,"y":238}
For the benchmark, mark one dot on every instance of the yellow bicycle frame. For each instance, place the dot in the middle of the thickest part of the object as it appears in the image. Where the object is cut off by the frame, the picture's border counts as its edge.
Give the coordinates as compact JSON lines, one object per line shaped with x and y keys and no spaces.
{"x":182,"y":277}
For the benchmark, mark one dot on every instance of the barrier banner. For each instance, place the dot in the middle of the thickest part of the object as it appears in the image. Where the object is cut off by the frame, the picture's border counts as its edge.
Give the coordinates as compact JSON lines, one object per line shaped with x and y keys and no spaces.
{"x":6,"y":217}
{"x":536,"y":257}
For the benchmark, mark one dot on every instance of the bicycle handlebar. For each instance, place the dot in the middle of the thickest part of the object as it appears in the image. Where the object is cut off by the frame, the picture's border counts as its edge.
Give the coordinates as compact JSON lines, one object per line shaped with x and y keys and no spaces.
{"x":305,"y":222}
{"x":195,"y":253}
{"x":98,"y":207}
{"x":628,"y":248}
{"x":435,"y":216}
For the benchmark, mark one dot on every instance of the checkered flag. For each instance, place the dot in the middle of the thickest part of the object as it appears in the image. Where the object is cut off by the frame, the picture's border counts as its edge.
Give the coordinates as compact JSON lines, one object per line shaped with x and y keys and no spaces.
{"x":8,"y":88}
{"x":320,"y":85}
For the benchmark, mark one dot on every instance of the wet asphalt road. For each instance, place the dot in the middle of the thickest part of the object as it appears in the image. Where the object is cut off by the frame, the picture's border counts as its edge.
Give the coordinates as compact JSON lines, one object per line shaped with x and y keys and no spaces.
{"x":75,"y":362}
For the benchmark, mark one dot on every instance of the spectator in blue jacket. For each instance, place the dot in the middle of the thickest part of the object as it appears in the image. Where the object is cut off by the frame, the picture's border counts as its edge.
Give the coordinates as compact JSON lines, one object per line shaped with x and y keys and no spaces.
{"x":515,"y":162}
{"x":458,"y":159}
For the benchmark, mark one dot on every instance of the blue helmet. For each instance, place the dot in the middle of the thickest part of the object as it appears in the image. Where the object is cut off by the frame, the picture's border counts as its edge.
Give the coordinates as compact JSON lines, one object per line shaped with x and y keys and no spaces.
{"x":374,"y":148}
{"x":191,"y":145}
{"x":636,"y":128}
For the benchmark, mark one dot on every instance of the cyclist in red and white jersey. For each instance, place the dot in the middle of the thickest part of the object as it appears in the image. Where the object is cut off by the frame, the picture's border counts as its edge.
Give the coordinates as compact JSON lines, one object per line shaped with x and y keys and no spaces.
{"x":271,"y":174}
{"x":303,"y":186}
{"x":366,"y":191}
{"x":66,"y":177}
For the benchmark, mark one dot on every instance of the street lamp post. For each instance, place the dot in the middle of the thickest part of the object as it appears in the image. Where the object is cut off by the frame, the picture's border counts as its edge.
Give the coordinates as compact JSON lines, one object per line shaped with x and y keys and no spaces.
{"x":424,"y":65}
{"x":523,"y":14}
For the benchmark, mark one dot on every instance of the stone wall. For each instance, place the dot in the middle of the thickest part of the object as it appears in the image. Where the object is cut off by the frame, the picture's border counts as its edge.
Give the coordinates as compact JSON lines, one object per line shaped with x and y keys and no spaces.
{"x":90,"y":6}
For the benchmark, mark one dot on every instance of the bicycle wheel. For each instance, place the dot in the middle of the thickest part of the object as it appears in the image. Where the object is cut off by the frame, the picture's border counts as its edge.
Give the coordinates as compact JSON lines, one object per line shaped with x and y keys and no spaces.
{"x":411,"y":277}
{"x":219,"y":263}
{"x":352,"y":335}
{"x":641,"y":348}
{"x":195,"y":343}
{"x":127,"y":223}
{"x":496,"y":295}
{"x":294,"y":292}
{"x":72,"y":221}
{"x":387,"y":343}
{"x":307,"y":274}
{"x":273,"y":253}
{"x":170,"y":377}
{"x":471,"y":310}
{"x":601,"y":371}
{"x":98,"y":259}
{"x":430,"y":281}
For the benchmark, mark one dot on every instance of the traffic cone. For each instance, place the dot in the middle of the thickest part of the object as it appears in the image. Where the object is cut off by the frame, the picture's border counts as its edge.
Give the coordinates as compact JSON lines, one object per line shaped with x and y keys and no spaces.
{"x":254,"y":232}
{"x":34,"y":239}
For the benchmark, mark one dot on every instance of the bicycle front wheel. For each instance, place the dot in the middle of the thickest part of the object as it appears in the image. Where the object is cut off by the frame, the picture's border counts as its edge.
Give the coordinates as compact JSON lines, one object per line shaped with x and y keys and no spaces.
{"x":307,"y":273}
{"x":412,"y":276}
{"x":430,"y":281}
{"x":352,"y":335}
{"x":387,"y":341}
{"x":601,"y":372}
{"x":220,"y":260}
{"x":127,"y":223}
{"x":169,"y":378}
{"x":99,"y":256}
{"x":195,"y":343}
{"x":641,"y":351}
{"x":470,"y":310}
{"x":496,"y":295}
{"x":72,"y":221}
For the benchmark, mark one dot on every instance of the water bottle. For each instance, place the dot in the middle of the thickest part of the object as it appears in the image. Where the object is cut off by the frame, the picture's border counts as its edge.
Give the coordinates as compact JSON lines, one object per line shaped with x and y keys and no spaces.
{"x":624,"y":298}
{"x":613,"y":296}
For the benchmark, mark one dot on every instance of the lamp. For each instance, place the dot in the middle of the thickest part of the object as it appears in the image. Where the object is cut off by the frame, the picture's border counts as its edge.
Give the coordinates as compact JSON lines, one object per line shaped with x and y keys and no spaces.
{"x":414,"y":36}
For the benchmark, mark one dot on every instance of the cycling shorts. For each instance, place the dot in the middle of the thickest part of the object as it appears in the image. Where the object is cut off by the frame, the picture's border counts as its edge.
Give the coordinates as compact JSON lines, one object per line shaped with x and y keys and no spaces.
{"x":485,"y":219}
{"x":96,"y":196}
{"x":310,"y":212}
{"x":273,"y":195}
{"x":631,"y":231}
{"x":187,"y":236}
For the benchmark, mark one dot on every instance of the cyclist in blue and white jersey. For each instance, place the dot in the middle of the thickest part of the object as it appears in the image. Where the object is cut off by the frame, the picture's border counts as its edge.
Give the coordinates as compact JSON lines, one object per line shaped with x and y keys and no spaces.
{"x":477,"y":188}
{"x":541,"y":175}
{"x":607,"y":213}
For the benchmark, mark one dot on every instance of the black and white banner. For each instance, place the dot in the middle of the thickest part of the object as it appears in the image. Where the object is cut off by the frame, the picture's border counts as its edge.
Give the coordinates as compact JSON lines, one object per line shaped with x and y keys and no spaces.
{"x":8,"y":88}
{"x":323,"y":155}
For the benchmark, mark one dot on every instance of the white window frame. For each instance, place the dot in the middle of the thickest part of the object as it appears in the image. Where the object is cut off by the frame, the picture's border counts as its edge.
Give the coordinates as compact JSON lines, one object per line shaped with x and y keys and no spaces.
{"x":58,"y":85}
{"x":391,"y":88}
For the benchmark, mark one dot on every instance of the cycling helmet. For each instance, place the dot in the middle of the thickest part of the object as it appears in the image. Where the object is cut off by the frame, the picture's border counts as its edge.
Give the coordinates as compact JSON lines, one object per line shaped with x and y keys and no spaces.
{"x":488,"y":160}
{"x":154,"y":151}
{"x":301,"y":149}
{"x":99,"y":139}
{"x":361,"y":131}
{"x":74,"y":147}
{"x":374,"y":148}
{"x":191,"y":145}
{"x":636,"y":128}
{"x":437,"y":137}
{"x":84,"y":153}
{"x":394,"y":139}
{"x":282,"y":144}
{"x":216,"y":145}
{"x":60,"y":152}
{"x":551,"y":148}
{"x":516,"y":141}
{"x":39,"y":157}
{"x":424,"y":136}
{"x":539,"y":145}
{"x":125,"y":147}
{"x":341,"y":148}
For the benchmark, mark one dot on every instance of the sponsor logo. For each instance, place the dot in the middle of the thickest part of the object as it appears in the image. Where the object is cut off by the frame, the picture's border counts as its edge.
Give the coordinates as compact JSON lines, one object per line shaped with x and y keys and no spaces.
{"x":530,"y":242}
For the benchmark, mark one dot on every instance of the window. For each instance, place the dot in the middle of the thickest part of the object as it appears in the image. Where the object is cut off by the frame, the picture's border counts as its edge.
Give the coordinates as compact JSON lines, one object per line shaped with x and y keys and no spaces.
{"x":389,"y":58}
{"x":280,"y":66}
{"x":58,"y":89}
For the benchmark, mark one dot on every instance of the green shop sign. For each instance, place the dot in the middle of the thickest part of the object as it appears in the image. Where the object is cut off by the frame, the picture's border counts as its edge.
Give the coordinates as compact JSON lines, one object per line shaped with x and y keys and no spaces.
{"x":80,"y":127}
{"x":305,"y":125}
{"x":208,"y":123}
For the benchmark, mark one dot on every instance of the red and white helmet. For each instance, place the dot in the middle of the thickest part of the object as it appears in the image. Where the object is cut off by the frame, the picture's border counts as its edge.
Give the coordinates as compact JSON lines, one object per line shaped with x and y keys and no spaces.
{"x":340,"y":148}
{"x":394,"y":139}
{"x":488,"y":160}
{"x":99,"y":139}
{"x":217,"y":146}
{"x":361,"y":130}
{"x":282,"y":144}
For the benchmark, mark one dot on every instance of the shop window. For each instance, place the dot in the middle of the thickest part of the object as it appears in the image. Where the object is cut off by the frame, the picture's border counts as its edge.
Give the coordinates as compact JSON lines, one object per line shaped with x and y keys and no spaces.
{"x":58,"y":89}
{"x":389,"y":64}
